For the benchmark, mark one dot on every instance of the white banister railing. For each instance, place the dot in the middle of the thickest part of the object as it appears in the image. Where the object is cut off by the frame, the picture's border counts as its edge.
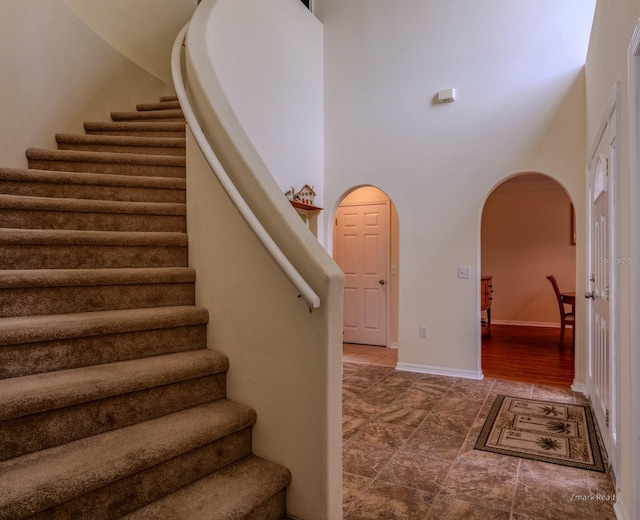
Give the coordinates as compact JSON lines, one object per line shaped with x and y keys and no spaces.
{"x":304,"y":289}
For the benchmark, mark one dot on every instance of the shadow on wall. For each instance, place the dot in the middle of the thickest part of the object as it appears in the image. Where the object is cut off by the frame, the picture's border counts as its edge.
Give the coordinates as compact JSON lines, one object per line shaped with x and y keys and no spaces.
{"x":527,"y":233}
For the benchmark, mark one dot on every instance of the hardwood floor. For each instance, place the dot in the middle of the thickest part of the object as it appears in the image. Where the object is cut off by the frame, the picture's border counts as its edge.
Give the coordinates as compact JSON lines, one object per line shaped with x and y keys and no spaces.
{"x":528,"y":354}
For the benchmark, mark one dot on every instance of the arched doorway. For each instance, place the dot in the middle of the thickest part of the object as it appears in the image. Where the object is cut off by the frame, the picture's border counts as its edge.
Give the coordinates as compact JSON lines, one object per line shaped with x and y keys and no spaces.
{"x":528,"y":233}
{"x":365,"y":246}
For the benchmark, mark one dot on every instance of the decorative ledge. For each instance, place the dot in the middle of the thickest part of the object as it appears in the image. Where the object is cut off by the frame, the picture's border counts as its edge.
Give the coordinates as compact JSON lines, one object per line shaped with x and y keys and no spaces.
{"x":309,"y":215}
{"x":308,"y":207}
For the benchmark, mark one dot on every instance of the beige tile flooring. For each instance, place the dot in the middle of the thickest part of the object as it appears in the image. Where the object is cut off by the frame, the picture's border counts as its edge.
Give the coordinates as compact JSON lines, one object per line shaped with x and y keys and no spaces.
{"x":408,"y":451}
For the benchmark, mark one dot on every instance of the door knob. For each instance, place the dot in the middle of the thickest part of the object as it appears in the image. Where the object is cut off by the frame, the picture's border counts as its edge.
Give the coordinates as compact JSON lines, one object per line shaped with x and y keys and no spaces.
{"x":381,"y":282}
{"x":589,"y":294}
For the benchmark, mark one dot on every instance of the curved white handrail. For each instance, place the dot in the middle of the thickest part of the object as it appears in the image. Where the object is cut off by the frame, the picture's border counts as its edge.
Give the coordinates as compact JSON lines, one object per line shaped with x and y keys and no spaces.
{"x":304,"y":289}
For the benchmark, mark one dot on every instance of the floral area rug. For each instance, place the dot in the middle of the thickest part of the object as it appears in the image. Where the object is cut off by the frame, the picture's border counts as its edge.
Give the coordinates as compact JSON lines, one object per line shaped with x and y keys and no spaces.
{"x":559,"y":433}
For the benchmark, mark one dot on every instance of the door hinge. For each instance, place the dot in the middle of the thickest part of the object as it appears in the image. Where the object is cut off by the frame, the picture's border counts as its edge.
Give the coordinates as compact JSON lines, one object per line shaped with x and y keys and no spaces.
{"x":606,"y":419}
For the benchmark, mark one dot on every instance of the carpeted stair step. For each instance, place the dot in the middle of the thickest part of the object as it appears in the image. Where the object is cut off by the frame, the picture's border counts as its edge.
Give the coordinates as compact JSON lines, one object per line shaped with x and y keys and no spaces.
{"x":122,"y":144}
{"x":251,"y":488}
{"x":73,"y":249}
{"x":106,"y":162}
{"x":61,"y":291}
{"x":100,"y":186}
{"x":162,"y":105}
{"x":45,"y":410}
{"x":136,"y":128}
{"x":114,"y":473}
{"x":149,"y":115}
{"x":38,"y":344}
{"x":110,"y":402}
{"x":84,"y":214}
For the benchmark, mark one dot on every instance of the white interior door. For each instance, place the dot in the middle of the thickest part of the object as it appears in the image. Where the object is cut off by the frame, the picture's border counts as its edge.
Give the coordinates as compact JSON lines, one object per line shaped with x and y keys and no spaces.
{"x":602,"y":269}
{"x":361,"y":250}
{"x":600,"y":347}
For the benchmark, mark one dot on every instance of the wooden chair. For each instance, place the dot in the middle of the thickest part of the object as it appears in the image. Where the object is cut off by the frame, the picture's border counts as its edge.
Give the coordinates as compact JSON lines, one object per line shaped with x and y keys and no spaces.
{"x":566,"y":318}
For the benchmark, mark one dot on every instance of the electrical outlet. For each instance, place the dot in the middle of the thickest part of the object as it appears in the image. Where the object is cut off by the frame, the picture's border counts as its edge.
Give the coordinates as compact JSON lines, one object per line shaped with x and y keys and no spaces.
{"x":464,"y":272}
{"x":424,"y":331}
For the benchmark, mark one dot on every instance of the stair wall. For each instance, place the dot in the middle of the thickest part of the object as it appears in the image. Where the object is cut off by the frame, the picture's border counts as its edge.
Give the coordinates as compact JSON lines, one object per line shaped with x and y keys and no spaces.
{"x":56,"y":74}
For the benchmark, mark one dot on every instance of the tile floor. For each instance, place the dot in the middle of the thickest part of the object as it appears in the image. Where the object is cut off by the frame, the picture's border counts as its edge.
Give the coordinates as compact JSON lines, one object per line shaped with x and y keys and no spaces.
{"x":408,"y":451}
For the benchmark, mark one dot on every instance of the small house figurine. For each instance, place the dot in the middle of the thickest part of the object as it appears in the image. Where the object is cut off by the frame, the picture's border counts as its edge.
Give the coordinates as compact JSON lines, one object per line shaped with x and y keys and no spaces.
{"x":290,"y":194}
{"x":306,"y":195}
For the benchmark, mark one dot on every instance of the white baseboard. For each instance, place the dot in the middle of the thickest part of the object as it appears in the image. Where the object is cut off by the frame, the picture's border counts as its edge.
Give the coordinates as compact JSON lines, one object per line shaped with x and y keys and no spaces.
{"x":579,"y":387}
{"x":393,"y":344}
{"x":620,"y":509}
{"x":549,"y":324}
{"x":440,"y":371}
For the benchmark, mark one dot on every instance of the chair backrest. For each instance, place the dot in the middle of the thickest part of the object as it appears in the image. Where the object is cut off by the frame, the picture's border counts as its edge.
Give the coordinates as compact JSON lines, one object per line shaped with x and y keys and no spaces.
{"x":556,"y":289}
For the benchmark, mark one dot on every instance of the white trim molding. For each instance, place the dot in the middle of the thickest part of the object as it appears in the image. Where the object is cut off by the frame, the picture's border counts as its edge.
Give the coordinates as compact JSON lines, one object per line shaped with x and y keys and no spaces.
{"x":632,"y":509}
{"x":549,"y":324}
{"x":621,"y":510}
{"x":580,"y":387}
{"x":440,"y":371}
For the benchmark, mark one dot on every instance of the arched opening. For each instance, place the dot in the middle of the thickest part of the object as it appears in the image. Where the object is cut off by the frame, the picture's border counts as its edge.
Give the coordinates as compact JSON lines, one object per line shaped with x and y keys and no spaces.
{"x":366,"y":247}
{"x":527,"y":234}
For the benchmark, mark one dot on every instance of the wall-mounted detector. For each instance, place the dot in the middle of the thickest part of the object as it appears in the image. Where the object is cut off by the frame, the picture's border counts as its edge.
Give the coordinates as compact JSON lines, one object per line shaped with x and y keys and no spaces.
{"x":447,"y":95}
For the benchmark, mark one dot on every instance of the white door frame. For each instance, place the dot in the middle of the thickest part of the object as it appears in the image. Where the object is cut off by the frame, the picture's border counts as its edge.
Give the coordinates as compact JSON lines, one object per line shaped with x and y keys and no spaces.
{"x":633,"y":58}
{"x":609,"y":130}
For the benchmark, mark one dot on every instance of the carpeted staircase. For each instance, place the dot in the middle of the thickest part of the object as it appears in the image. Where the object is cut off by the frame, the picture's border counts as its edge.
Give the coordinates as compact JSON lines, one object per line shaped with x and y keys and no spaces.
{"x":111,"y":405}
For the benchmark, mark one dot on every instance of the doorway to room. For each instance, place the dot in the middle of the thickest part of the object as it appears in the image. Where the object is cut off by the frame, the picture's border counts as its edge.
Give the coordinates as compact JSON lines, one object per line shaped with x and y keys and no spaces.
{"x":527,"y":234}
{"x":365,"y":246}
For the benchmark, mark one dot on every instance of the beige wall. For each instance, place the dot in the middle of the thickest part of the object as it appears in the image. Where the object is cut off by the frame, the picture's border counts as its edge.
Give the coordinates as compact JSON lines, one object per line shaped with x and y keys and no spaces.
{"x":276,"y":87}
{"x":56,"y":73}
{"x":525,"y":237}
{"x":285,"y":361}
{"x":613,"y":28}
{"x":142,"y":30}
{"x":518,"y":71}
